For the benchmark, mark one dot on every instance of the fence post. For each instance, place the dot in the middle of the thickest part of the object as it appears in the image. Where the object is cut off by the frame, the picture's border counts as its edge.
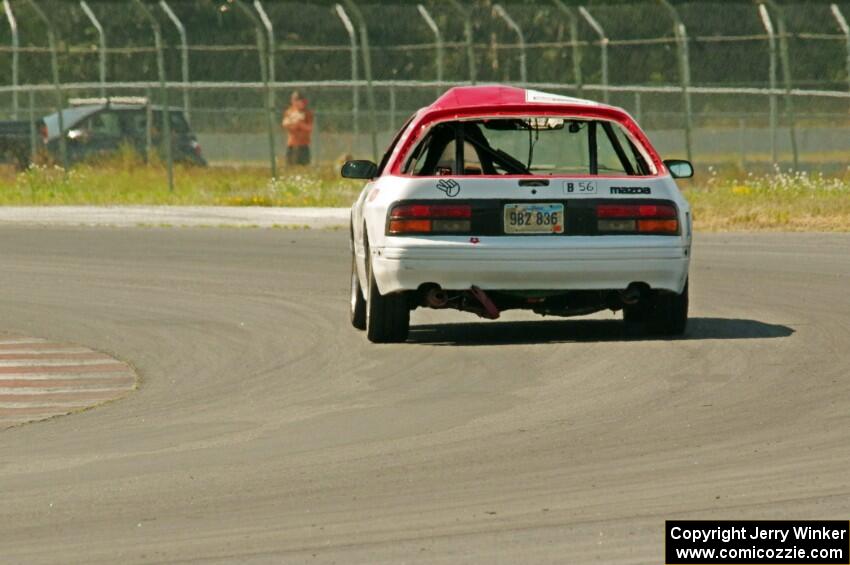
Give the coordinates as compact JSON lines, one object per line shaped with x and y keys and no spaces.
{"x":603,"y":48}
{"x":786,"y":75}
{"x":742,"y":146}
{"x":54,"y":64}
{"x":102,"y":45}
{"x":355,"y":90}
{"x":272,"y":48}
{"x":681,"y":34}
{"x":467,"y":35}
{"x":392,"y":106}
{"x":166,"y":110}
{"x":16,"y":45}
{"x":438,"y":42}
{"x":264,"y":77}
{"x":33,"y":132}
{"x":184,"y":54}
{"x":771,"y":38}
{"x":573,"y":23}
{"x":148,"y":124}
{"x":638,"y":108}
{"x":317,"y":139}
{"x":845,"y":29}
{"x":367,"y":70}
{"x":520,"y":38}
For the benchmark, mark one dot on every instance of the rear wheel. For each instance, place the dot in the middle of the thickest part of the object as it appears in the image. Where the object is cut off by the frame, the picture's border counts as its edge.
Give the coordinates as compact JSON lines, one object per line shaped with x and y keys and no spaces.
{"x":660,"y":314}
{"x":670,"y":316}
{"x":387,"y":317}
{"x":358,"y":303}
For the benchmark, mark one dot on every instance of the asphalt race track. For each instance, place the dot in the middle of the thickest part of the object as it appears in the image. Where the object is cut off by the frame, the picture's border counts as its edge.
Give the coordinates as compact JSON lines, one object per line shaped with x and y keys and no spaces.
{"x":267,"y":430}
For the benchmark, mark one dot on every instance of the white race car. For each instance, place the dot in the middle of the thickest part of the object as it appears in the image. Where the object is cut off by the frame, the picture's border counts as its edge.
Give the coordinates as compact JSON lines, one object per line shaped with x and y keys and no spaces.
{"x":495,"y":198}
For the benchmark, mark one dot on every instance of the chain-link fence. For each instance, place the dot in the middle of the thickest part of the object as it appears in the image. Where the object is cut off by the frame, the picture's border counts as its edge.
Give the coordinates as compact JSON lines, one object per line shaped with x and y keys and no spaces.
{"x":732,"y":82}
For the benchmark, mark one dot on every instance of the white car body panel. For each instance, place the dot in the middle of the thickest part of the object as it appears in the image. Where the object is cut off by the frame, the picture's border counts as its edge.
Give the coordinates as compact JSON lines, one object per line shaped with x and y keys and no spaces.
{"x":569,"y":262}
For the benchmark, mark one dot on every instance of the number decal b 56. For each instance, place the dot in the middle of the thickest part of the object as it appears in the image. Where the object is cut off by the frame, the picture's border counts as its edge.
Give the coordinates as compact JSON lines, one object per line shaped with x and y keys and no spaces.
{"x":580,"y":187}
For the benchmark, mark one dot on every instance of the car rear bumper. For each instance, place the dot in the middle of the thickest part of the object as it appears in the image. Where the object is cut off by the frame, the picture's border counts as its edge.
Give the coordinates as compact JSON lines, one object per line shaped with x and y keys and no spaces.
{"x":516,"y":263}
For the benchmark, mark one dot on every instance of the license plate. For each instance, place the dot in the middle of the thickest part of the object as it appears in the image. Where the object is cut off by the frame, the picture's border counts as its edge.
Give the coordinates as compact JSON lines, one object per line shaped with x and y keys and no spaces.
{"x":534,"y":218}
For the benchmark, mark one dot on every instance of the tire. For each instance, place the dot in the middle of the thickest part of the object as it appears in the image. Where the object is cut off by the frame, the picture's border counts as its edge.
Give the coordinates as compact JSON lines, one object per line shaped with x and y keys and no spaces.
{"x":663,"y":314}
{"x":670,"y":314}
{"x":636,"y":314}
{"x":358,"y":303}
{"x":387,"y":317}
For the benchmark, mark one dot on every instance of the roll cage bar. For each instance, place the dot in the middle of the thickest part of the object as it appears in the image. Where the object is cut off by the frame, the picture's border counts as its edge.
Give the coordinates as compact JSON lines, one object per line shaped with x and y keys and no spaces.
{"x":463,"y":132}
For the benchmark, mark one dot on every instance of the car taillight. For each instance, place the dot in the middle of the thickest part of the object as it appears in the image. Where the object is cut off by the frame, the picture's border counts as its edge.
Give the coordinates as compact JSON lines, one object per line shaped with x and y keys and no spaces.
{"x":660,"y":219}
{"x":658,"y":226}
{"x":635,"y":211}
{"x":430,"y":218}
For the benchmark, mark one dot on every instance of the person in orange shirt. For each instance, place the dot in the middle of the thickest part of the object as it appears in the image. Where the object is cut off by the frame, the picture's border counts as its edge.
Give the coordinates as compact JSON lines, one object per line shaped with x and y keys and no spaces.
{"x":298,"y":124}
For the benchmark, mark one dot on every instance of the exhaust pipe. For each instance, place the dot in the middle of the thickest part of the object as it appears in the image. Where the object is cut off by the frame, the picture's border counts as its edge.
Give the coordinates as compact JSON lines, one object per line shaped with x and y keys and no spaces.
{"x":631,"y":295}
{"x":473,"y":300}
{"x":436,"y":297}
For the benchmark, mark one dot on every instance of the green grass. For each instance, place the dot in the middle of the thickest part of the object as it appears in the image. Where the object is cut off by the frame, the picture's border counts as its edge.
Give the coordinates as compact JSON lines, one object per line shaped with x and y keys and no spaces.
{"x":780,"y":200}
{"x":125,"y":180}
{"x":789,"y":201}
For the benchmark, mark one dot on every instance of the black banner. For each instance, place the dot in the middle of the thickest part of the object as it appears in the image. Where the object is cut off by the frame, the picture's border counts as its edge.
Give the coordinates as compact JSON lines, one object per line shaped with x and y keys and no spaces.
{"x":744,"y":542}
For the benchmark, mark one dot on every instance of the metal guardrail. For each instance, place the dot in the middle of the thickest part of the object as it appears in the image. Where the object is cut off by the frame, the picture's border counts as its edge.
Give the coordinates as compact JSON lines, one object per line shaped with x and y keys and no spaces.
{"x":295,"y":84}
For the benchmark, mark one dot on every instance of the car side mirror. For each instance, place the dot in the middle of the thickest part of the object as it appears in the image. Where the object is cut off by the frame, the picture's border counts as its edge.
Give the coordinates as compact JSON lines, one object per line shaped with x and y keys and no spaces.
{"x":359,"y":169}
{"x":679,"y":168}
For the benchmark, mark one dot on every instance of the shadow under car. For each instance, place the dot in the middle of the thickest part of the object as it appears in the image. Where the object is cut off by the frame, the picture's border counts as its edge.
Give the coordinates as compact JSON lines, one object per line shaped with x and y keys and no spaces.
{"x":565,"y":331}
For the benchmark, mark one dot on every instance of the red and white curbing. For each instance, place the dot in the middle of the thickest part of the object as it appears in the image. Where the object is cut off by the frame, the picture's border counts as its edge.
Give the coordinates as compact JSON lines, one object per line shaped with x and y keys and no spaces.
{"x":41,"y":379}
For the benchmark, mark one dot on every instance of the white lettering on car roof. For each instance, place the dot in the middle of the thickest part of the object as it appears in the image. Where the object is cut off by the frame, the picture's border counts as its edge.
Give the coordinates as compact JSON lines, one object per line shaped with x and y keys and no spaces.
{"x":546,"y":98}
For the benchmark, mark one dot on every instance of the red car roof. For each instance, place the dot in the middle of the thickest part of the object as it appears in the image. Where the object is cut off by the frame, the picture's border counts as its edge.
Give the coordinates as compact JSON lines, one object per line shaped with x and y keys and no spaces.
{"x":472,"y":101}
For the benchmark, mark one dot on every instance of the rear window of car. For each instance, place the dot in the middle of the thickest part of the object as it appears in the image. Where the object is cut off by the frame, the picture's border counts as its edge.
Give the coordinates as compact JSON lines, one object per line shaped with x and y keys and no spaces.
{"x":524,"y":145}
{"x":138,"y":120}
